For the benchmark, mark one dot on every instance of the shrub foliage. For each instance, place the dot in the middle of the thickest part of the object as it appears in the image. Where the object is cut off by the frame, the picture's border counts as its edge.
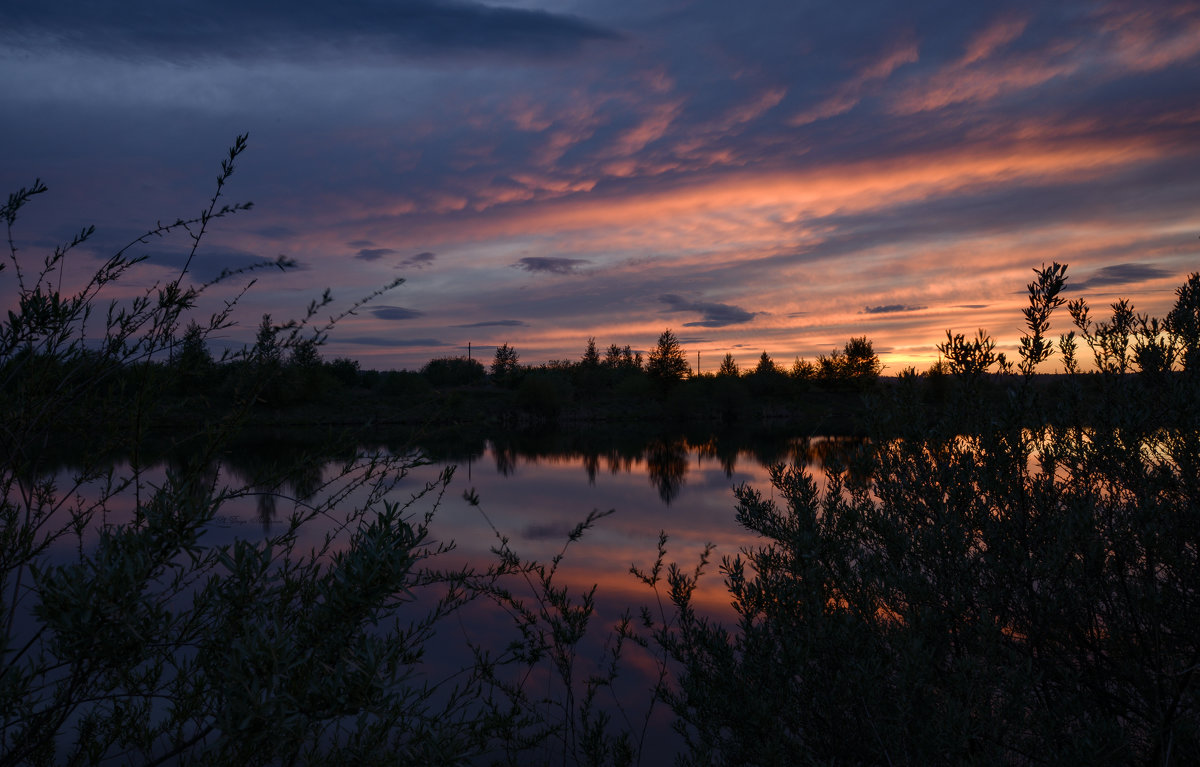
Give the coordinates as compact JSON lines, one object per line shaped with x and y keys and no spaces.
{"x":1010,"y":585}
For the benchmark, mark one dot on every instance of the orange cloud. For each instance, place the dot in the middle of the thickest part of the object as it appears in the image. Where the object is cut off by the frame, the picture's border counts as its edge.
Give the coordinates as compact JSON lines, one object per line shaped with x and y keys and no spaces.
{"x":993,"y":39}
{"x":973,"y":83}
{"x":1152,"y":37}
{"x":850,"y":93}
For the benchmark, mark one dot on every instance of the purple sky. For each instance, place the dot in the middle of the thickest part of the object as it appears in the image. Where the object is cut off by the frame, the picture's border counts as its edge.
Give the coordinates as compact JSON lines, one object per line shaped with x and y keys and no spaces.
{"x":777,"y":175}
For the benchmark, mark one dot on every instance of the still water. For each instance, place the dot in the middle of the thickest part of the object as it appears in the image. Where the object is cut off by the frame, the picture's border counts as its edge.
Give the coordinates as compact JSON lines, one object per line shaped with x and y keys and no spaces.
{"x":535,"y":490}
{"x":532,"y":491}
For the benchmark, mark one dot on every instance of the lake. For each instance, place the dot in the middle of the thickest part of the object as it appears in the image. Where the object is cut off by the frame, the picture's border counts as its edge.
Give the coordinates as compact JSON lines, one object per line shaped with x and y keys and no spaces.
{"x":533,"y":489}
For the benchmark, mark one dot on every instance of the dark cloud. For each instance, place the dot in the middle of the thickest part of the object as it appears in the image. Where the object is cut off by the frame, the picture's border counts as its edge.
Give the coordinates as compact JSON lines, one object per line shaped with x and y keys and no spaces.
{"x":715,"y":315}
{"x":1119,"y":274}
{"x":419,"y":261}
{"x":210,"y":262}
{"x":970,"y":306}
{"x":395,"y":313}
{"x":551,"y":265}
{"x":373,"y":254}
{"x":891,"y":309}
{"x":495,"y":324}
{"x":242,"y":29}
{"x":388,"y":342}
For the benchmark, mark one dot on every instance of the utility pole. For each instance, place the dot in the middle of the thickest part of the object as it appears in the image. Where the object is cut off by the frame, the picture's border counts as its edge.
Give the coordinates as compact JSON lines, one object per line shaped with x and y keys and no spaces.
{"x":697,"y":362}
{"x":468,"y":350}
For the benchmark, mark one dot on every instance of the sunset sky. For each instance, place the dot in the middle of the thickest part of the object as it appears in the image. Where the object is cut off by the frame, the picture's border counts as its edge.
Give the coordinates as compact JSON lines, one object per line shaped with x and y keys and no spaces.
{"x":776,"y":175}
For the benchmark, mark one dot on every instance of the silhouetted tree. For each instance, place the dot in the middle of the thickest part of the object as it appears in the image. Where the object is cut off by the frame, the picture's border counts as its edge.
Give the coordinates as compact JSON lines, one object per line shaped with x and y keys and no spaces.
{"x":728,"y":366}
{"x":855,"y":365}
{"x":766,"y":366}
{"x":667,"y":363}
{"x":803,"y":370}
{"x":304,"y":354}
{"x":1184,"y":322}
{"x":267,"y":350}
{"x":591,"y":357}
{"x":862,"y":363}
{"x":612,"y":358}
{"x":504,"y":364}
{"x":193,"y":352}
{"x":193,"y":362}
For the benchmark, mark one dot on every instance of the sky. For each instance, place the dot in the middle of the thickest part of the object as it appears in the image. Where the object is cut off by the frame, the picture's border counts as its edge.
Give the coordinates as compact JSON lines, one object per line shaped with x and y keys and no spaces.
{"x":776,"y":176}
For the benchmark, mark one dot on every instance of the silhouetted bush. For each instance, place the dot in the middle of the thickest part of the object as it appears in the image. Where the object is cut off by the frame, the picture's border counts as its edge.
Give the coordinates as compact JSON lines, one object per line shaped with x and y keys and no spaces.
{"x":990,"y":588}
{"x":453,"y":371}
{"x":128,"y":636}
{"x":543,"y":395}
{"x":345,"y":371}
{"x":403,"y":383}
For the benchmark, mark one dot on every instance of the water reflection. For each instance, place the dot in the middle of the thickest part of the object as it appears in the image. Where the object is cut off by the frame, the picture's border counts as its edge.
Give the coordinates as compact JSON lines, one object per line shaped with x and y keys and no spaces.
{"x":667,"y":466}
{"x":275,"y":472}
{"x":664,"y":458}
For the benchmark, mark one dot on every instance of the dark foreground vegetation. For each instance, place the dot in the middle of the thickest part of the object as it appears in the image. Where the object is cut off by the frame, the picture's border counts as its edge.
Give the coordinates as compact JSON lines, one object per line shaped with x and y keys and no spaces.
{"x":1009,"y":577}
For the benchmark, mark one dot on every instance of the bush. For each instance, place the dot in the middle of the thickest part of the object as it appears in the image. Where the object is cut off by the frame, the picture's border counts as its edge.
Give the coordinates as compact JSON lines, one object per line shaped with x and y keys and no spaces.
{"x":995,"y":589}
{"x":856,"y":366}
{"x":127,"y":638}
{"x":544,"y":394}
{"x":345,"y":371}
{"x":402,"y":383}
{"x":453,"y":371}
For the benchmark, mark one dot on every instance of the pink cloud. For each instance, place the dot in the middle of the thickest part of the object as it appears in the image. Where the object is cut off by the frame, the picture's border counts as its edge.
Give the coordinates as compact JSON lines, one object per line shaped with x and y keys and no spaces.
{"x":992,"y":39}
{"x":850,"y":93}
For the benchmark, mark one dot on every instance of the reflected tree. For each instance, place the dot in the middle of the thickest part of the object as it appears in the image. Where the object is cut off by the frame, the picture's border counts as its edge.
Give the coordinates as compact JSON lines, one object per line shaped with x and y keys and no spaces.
{"x":666,"y":463}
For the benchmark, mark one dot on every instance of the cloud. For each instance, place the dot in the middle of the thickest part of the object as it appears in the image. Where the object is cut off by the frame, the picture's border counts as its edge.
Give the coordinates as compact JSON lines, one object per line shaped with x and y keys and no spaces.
{"x":495,"y":324}
{"x":209,"y":263}
{"x":850,"y":93}
{"x":1119,"y":274}
{"x":715,"y":315}
{"x":551,"y":264}
{"x":373,"y":254}
{"x":891,"y":309}
{"x":419,"y":261}
{"x":395,"y":313}
{"x":301,"y":31}
{"x":970,"y":306}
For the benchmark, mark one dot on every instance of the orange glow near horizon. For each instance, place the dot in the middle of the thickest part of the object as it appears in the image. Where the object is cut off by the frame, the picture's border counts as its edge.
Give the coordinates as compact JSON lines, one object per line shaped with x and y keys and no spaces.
{"x":769,"y":227}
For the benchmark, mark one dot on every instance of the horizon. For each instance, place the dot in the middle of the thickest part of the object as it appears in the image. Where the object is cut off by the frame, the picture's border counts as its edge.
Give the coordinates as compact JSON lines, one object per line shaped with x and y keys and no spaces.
{"x":541,"y":172}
